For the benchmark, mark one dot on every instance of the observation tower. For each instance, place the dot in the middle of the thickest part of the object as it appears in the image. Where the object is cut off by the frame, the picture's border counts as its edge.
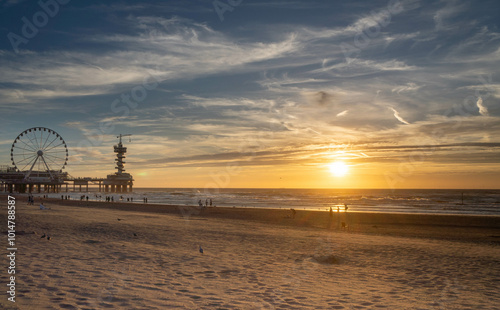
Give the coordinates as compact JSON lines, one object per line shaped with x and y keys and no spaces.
{"x":120,"y":181}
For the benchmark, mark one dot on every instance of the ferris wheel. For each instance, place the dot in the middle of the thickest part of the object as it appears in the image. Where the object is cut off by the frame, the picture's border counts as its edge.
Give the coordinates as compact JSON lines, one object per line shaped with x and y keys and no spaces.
{"x":39,"y":152}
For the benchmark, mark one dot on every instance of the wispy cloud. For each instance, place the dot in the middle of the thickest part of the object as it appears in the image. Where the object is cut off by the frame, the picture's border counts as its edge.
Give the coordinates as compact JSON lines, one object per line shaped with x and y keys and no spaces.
{"x":166,"y":48}
{"x":482,"y":109}
{"x":398,"y":117}
{"x":443,"y":16}
{"x":343,"y":113}
{"x":409,"y":87}
{"x":8,"y":3}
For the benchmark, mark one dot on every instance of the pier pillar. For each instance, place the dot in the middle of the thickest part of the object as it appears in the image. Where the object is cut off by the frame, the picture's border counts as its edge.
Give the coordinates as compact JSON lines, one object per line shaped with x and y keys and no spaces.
{"x":106,"y":188}
{"x":112,"y":188}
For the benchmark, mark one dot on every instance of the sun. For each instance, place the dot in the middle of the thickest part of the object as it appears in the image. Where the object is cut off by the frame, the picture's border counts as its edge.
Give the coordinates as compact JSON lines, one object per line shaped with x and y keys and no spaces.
{"x":338,"y":168}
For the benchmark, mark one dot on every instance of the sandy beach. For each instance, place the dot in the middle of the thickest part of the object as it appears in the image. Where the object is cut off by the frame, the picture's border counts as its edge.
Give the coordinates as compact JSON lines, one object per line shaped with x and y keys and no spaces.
{"x":134,"y":256}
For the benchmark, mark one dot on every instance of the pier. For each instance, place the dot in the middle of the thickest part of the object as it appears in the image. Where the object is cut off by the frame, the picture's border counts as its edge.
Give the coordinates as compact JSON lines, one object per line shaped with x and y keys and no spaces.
{"x":39,"y":156}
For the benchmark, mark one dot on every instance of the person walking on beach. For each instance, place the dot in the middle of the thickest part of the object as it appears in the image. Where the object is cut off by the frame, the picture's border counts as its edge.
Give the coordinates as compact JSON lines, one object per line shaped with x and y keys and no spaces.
{"x":338,"y":217}
{"x":330,"y":218}
{"x":346,"y":217}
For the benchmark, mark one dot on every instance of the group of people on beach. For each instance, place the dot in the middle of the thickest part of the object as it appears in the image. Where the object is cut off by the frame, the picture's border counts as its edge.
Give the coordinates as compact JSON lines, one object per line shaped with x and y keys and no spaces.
{"x":208,"y":202}
{"x":31,"y":200}
{"x":100,"y":197}
{"x":340,"y":224}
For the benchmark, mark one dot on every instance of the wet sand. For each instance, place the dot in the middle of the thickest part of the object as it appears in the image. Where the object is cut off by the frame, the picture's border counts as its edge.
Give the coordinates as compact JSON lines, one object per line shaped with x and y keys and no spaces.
{"x":135,"y":256}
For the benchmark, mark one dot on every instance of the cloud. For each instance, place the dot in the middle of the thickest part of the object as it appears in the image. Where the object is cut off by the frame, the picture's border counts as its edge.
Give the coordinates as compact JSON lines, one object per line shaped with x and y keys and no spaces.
{"x":320,"y":98}
{"x":168,"y":49}
{"x":482,"y":109}
{"x":288,"y":86}
{"x":443,"y":16}
{"x":409,"y":87}
{"x":8,"y":3}
{"x":343,"y":113}
{"x":399,"y":118}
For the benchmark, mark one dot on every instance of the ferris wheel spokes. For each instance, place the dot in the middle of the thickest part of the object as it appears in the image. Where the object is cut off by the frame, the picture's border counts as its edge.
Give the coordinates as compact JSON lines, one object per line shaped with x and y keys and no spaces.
{"x":42,"y":151}
{"x":29,"y":159}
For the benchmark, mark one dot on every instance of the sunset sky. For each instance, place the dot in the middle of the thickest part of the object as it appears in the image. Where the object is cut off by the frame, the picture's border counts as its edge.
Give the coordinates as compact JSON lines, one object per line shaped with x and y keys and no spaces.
{"x":247,"y":93}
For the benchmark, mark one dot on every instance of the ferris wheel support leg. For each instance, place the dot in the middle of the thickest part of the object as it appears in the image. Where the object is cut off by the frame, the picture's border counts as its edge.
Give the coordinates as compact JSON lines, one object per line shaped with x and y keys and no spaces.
{"x":31,"y":169}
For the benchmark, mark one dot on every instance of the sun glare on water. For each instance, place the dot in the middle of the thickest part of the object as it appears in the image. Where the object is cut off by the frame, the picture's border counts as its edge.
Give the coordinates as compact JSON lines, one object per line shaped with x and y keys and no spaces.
{"x":338,"y":168}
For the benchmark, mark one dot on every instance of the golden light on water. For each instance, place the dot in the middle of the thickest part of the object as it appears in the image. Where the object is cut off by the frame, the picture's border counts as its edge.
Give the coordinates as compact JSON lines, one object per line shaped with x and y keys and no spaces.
{"x":338,"y":168}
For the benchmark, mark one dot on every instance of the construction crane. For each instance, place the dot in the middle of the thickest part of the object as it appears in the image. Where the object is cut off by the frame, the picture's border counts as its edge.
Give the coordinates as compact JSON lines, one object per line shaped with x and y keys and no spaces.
{"x":126,"y":135}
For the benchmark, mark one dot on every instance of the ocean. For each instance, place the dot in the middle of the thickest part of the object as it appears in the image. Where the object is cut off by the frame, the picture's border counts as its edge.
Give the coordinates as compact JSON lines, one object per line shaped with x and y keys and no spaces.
{"x":436,"y":201}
